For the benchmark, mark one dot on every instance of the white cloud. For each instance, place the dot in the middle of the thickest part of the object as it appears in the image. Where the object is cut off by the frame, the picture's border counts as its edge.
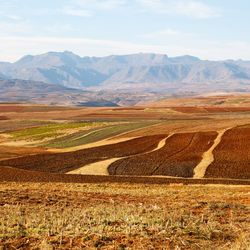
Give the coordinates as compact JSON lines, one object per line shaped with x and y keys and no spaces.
{"x":156,"y":4}
{"x":76,"y":12}
{"x":98,"y":4}
{"x":10,"y":28}
{"x":160,"y":34}
{"x":195,"y":9}
{"x":57,"y":28}
{"x":13,"y":17}
{"x":189,"y":8}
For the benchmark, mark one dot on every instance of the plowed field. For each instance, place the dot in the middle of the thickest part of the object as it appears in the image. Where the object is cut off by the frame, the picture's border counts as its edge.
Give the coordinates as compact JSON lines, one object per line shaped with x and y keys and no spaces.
{"x":179,"y":156}
{"x":64,"y":162}
{"x":19,"y":175}
{"x":232,"y":155}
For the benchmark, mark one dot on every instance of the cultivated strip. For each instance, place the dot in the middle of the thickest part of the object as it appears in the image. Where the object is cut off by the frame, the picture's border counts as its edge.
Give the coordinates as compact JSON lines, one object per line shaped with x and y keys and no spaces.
{"x":107,"y":141}
{"x":101,"y":167}
{"x":208,"y":157}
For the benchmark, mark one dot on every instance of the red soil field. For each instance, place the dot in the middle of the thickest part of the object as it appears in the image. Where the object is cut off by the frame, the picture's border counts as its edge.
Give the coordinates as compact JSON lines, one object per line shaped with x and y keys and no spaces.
{"x":179,"y":157}
{"x":122,"y":115}
{"x":187,"y":126}
{"x":18,"y":151}
{"x":232,"y":155}
{"x":9,"y":108}
{"x":4,"y":118}
{"x":128,"y":108}
{"x":210,"y":109}
{"x":67,"y":161}
{"x":9,"y":174}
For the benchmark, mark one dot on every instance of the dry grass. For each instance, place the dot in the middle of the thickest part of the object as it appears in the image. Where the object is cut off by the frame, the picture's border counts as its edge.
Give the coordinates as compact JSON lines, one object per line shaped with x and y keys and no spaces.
{"x":123,"y":216}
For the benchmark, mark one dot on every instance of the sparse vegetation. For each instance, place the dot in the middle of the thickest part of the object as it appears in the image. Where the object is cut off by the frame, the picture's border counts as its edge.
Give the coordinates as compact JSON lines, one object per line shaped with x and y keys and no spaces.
{"x":123,"y":216}
{"x":57,"y":130}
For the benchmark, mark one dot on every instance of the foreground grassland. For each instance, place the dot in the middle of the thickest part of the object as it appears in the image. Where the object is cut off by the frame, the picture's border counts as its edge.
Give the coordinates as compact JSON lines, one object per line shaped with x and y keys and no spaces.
{"x":123,"y":216}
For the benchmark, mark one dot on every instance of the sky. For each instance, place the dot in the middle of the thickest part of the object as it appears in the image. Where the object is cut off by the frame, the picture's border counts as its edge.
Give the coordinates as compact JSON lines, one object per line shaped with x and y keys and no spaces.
{"x":208,"y":29}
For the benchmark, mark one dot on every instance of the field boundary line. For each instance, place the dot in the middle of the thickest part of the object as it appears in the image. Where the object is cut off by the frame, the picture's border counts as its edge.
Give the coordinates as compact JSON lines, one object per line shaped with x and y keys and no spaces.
{"x":208,"y":157}
{"x":181,"y":150}
{"x":101,"y":167}
{"x":11,"y":174}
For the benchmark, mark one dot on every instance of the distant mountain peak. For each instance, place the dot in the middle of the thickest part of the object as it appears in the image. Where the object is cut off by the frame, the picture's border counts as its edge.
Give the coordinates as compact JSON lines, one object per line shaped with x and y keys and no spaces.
{"x":133,"y":72}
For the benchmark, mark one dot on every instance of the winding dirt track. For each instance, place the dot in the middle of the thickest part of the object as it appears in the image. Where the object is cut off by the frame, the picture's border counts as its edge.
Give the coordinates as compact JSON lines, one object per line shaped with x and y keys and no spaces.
{"x":208,"y":157}
{"x":101,"y":167}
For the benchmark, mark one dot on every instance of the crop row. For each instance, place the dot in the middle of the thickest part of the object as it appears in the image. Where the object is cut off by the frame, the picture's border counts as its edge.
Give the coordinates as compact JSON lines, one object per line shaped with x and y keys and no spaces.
{"x":67,"y":161}
{"x":179,"y":157}
{"x":96,"y":134}
{"x":232,"y":155}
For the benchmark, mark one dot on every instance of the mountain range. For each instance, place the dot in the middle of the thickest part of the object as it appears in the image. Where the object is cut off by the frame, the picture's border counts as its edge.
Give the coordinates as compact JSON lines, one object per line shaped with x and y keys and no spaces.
{"x":150,"y":73}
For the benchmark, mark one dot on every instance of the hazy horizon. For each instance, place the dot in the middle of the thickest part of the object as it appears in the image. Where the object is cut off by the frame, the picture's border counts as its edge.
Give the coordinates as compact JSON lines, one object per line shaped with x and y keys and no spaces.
{"x":92,"y":56}
{"x":208,"y":29}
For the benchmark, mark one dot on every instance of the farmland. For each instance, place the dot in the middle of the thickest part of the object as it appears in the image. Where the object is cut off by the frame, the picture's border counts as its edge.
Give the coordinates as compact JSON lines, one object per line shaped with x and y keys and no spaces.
{"x":179,"y":156}
{"x":172,"y":175}
{"x":153,"y":140}
{"x":63,"y":162}
{"x":232,"y":156}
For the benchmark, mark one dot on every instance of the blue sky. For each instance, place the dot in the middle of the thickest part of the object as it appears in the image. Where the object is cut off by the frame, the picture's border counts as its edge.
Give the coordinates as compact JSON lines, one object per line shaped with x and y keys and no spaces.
{"x":209,"y":29}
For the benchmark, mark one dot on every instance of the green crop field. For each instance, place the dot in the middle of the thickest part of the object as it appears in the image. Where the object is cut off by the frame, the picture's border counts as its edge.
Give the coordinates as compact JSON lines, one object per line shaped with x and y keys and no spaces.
{"x":53,"y":130}
{"x":97,"y":134}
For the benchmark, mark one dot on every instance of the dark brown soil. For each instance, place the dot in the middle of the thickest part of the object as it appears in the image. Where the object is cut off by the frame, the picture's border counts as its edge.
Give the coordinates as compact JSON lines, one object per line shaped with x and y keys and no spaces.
{"x":4,"y":118}
{"x":67,"y":161}
{"x":19,"y":175}
{"x":232,"y":155}
{"x":179,"y":157}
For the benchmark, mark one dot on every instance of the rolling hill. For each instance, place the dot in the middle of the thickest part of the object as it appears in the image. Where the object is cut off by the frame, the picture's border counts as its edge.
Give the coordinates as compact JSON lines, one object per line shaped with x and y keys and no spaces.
{"x":16,"y":90}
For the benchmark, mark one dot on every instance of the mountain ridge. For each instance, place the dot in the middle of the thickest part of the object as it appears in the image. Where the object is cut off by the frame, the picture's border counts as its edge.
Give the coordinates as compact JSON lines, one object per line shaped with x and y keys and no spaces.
{"x":144,"y":72}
